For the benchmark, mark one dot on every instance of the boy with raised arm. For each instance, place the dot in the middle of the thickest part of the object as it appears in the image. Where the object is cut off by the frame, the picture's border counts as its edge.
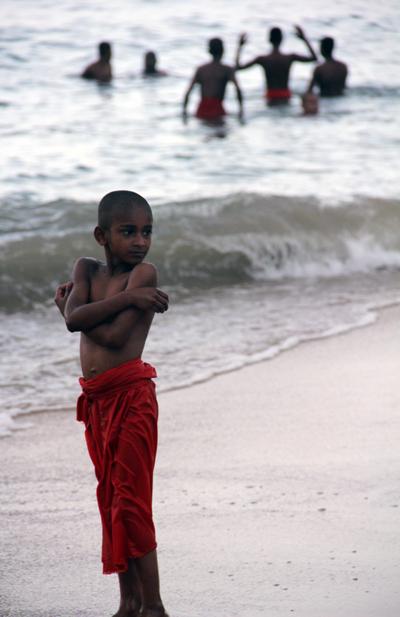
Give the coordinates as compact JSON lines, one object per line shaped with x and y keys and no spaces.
{"x":112,"y":304}
{"x":276,"y":65}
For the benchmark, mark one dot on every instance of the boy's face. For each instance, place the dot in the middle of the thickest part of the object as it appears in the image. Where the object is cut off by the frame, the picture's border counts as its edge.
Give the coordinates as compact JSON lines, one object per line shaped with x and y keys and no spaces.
{"x":310,"y":104}
{"x":129,"y":237}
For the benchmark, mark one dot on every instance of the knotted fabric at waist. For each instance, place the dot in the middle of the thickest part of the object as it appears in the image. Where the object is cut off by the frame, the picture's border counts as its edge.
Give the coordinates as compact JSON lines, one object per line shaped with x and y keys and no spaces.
{"x":116,"y":379}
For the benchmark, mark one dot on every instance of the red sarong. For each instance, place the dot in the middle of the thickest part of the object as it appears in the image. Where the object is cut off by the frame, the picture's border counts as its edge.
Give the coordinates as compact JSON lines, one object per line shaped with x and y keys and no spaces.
{"x":210,"y":108}
{"x":120,"y":412}
{"x":278,"y":94}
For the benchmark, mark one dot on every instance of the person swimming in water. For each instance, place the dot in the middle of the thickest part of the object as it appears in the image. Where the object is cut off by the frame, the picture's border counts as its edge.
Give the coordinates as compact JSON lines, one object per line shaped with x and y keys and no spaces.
{"x":310,"y":104}
{"x":101,"y":69}
{"x":150,"y":66}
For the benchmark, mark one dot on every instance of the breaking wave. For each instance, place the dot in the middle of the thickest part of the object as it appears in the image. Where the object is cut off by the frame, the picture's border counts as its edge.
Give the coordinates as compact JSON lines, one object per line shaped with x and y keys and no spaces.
{"x":205,"y":243}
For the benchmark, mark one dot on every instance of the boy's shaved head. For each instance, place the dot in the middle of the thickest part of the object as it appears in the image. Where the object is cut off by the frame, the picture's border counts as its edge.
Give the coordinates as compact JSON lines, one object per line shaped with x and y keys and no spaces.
{"x":327,"y":45}
{"x":114,"y":205}
{"x":216,"y":48}
{"x":275,"y":36}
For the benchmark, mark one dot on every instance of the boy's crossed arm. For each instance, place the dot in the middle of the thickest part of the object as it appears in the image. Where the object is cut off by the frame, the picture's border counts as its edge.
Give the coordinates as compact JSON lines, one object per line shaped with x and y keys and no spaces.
{"x":123,"y":308}
{"x":142,"y":289}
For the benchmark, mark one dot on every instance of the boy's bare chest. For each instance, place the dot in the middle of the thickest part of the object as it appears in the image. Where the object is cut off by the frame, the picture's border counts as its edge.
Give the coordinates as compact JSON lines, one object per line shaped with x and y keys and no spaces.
{"x":103,"y":285}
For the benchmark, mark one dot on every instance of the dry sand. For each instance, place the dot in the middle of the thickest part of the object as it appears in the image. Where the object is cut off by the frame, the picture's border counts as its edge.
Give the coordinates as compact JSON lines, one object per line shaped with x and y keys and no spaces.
{"x":277,"y":494}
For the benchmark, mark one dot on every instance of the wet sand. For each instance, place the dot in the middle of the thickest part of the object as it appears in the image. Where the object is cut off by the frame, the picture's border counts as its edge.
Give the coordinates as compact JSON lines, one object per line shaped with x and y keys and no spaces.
{"x":276,"y":493}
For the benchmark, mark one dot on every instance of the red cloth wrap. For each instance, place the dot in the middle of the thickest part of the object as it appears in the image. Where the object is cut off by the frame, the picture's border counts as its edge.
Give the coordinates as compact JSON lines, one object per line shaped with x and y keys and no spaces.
{"x":275,"y":94}
{"x":210,"y":108}
{"x":120,"y":412}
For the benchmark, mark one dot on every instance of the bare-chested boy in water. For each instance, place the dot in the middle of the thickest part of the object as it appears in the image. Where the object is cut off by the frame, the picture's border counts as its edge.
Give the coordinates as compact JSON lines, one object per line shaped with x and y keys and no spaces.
{"x":213,"y":78}
{"x":101,"y":69}
{"x":330,"y":76}
{"x":112,"y":304}
{"x":150,"y":66}
{"x":276,"y":65}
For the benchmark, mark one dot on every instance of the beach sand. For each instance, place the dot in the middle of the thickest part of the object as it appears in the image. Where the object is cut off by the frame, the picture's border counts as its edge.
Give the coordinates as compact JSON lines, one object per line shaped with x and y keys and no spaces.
{"x":276,"y":493}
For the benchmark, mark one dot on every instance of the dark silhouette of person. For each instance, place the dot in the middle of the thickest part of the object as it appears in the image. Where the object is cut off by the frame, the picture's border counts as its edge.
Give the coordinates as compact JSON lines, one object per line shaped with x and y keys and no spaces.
{"x":330,"y":76}
{"x":150,"y":66}
{"x":213,"y":78}
{"x":101,"y":69}
{"x":276,"y":65}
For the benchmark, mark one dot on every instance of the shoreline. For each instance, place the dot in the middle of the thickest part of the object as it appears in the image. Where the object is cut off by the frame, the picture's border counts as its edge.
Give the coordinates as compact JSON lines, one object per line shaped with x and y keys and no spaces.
{"x":371,"y":317}
{"x":279,"y":477}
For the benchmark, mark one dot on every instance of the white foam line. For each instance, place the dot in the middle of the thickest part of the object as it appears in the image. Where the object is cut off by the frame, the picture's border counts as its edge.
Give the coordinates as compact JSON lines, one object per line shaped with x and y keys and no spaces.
{"x":8,"y":425}
{"x":293,"y":341}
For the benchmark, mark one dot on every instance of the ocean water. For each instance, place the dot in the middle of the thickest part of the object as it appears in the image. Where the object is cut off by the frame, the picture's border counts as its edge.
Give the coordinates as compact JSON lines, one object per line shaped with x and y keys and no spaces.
{"x":268,"y":233}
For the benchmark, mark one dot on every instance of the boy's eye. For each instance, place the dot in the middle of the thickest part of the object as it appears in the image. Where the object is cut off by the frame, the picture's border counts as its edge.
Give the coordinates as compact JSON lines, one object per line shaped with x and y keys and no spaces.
{"x":126,"y":232}
{"x":147,"y":232}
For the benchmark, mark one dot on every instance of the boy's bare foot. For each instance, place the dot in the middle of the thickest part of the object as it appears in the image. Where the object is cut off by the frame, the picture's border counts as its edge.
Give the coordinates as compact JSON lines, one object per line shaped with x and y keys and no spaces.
{"x":128,"y":609}
{"x":154,"y":611}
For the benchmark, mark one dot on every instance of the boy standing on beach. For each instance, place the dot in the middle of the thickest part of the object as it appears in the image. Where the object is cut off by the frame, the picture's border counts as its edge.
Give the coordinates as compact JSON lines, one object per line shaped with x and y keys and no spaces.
{"x":112,"y":304}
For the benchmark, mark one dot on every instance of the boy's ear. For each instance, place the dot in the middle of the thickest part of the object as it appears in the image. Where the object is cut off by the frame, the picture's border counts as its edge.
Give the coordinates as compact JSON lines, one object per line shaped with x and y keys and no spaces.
{"x":100,"y":236}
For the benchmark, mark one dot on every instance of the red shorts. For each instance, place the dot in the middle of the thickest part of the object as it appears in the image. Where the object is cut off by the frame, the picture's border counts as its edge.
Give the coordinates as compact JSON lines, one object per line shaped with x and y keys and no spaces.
{"x":210,"y":108}
{"x":120,"y":412}
{"x":278,"y":94}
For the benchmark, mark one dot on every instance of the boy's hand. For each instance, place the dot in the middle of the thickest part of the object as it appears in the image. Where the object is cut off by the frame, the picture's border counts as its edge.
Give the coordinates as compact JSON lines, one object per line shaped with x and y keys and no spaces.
{"x":61,"y":297}
{"x":149,"y":298}
{"x":299,"y":32}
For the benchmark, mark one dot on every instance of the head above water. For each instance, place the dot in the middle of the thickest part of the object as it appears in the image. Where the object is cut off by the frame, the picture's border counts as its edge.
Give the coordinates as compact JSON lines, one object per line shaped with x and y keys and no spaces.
{"x":150,"y":61}
{"x":310,"y":104}
{"x":114,"y":205}
{"x":275,"y":36}
{"x":105,"y":50}
{"x":327,"y":44}
{"x":216,"y":48}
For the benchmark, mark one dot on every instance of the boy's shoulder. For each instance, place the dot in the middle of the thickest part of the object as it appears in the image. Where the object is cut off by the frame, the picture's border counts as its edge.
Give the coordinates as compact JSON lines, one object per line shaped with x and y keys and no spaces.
{"x":87,"y":266}
{"x":145,"y":272}
{"x":227,"y":68}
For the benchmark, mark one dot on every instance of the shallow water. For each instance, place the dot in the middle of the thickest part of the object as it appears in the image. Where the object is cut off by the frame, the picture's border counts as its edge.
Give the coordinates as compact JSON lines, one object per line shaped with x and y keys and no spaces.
{"x":267,"y":233}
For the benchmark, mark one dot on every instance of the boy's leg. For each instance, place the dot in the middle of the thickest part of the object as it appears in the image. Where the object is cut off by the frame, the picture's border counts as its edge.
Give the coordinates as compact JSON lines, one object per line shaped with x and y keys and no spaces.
{"x":130,"y":591}
{"x":147,"y":569}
